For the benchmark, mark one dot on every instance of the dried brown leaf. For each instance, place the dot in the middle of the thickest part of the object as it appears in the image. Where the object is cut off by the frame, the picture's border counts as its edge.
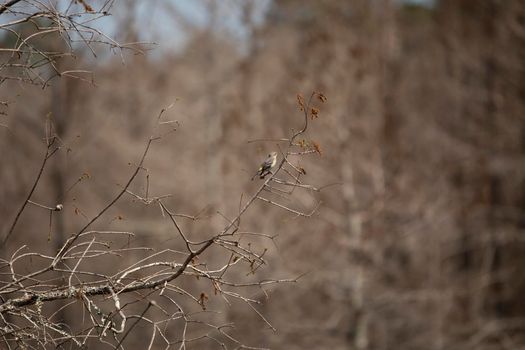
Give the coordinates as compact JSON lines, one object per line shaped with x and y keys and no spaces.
{"x":317,"y":148}
{"x":302,"y":143}
{"x":300,"y":101}
{"x":87,"y":7}
{"x":321,"y":97}
{"x":203,"y":298}
{"x":314,"y":112}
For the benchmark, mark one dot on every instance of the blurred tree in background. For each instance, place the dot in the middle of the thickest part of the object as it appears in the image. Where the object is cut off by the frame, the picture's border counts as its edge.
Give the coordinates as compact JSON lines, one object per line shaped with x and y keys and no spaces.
{"x":420,"y":235}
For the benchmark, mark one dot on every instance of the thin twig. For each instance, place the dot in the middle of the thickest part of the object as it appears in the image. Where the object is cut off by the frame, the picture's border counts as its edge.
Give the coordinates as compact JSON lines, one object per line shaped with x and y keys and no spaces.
{"x":7,"y":5}
{"x":31,"y":191}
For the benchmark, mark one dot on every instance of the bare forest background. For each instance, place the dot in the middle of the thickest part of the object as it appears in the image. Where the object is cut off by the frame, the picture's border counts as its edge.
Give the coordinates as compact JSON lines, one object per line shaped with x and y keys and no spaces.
{"x":419,"y":154}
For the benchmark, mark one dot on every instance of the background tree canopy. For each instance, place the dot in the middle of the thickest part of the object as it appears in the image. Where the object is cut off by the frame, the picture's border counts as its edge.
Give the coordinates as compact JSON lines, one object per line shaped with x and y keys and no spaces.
{"x":404,"y":199}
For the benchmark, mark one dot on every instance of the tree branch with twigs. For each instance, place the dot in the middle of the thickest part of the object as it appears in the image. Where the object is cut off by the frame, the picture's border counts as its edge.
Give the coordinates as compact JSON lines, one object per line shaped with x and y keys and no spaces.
{"x":111,"y":296}
{"x":38,"y":35}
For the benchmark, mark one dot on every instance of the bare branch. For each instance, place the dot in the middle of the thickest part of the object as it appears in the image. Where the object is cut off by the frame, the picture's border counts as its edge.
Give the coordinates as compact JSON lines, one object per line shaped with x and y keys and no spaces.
{"x":49,"y":152}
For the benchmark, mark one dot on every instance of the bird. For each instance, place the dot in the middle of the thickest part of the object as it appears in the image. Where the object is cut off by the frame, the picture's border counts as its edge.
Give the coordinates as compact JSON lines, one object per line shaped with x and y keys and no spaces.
{"x":266,"y":166}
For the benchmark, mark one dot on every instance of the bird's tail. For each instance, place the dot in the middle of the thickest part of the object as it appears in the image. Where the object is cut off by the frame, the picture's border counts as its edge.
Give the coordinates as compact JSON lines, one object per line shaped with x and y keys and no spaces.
{"x":259,"y":172}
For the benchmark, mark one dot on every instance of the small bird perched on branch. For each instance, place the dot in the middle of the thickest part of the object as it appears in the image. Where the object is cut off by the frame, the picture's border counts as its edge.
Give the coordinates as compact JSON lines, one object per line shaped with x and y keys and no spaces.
{"x":266,"y":166}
